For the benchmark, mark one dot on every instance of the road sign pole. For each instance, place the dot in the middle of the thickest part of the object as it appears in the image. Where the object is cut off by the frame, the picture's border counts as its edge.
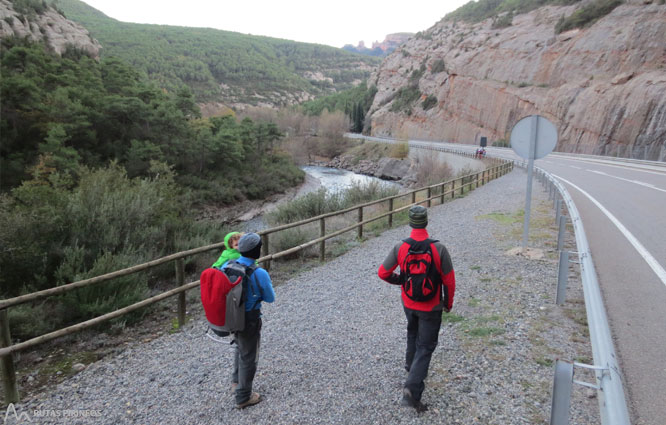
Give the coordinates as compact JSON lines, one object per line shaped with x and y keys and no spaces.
{"x":534,"y":127}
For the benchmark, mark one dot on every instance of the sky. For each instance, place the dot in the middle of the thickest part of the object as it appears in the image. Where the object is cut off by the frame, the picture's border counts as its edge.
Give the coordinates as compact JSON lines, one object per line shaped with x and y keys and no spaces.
{"x":334,"y":23}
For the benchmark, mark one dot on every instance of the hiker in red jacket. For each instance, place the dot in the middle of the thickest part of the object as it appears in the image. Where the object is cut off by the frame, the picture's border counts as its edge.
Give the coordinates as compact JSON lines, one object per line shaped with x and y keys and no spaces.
{"x":428,"y":285}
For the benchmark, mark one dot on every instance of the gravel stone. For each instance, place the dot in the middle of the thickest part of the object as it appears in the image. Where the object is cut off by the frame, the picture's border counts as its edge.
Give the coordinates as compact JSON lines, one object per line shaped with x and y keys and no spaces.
{"x":332,"y":348}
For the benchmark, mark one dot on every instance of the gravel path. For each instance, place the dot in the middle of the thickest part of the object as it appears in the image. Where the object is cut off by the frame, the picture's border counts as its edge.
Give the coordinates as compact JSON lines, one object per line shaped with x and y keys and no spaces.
{"x":333,"y":342}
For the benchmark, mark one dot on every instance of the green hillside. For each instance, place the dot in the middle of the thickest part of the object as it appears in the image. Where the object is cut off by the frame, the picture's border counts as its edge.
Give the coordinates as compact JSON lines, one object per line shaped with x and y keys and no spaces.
{"x":224,"y":66}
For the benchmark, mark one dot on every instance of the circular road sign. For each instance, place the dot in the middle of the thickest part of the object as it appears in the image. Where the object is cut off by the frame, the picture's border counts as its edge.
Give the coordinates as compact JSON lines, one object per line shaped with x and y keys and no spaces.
{"x":544,"y":137}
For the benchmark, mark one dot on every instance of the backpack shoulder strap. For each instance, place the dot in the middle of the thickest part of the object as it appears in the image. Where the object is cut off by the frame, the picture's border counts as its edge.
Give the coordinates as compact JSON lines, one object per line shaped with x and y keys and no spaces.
{"x":249,"y":271}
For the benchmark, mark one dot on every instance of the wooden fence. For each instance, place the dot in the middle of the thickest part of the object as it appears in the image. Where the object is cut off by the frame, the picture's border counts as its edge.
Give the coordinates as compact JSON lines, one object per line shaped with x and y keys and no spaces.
{"x":434,"y":193}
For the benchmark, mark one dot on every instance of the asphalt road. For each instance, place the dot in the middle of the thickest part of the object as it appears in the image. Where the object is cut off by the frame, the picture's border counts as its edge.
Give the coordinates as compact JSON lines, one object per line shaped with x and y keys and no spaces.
{"x":623,"y":211}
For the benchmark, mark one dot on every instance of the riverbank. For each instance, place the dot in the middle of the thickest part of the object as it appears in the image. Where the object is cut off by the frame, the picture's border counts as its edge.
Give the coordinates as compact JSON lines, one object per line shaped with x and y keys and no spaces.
{"x":333,"y":342}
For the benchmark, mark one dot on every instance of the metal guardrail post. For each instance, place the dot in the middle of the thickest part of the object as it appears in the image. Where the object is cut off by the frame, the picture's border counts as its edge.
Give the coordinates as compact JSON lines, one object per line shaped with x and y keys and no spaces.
{"x":562,"y":222}
{"x":562,"y":386}
{"x":180,"y":281}
{"x":558,"y":210}
{"x":7,"y":362}
{"x":562,"y":278}
{"x":322,"y":244}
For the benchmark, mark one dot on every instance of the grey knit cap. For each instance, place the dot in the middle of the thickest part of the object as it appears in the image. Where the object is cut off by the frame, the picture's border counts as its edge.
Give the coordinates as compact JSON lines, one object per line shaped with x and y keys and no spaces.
{"x":248,"y":242}
{"x":418,"y":217}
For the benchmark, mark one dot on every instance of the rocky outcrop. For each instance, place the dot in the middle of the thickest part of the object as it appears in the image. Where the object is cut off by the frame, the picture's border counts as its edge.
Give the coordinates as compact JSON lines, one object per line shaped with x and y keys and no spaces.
{"x":392,"y":41}
{"x":48,"y":26}
{"x":604,"y":86}
{"x":383,"y":168}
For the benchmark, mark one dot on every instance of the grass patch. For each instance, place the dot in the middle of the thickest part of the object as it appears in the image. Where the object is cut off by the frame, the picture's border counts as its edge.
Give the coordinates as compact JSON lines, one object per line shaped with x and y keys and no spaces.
{"x":504,"y":218}
{"x":484,"y":331}
{"x":475,"y":268}
{"x":544,"y":361}
{"x":474,"y":302}
{"x":451,"y":318}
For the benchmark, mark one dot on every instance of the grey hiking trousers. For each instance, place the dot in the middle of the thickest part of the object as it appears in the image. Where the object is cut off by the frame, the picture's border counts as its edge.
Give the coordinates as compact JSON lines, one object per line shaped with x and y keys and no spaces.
{"x":246,"y":357}
{"x":422,"y":336}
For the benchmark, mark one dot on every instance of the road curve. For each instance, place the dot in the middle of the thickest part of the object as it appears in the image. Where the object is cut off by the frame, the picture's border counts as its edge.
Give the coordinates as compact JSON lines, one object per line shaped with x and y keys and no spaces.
{"x":622,"y":205}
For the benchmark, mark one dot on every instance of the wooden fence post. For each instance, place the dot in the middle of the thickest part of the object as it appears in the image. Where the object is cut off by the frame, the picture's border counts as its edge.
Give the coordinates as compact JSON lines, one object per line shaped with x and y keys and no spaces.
{"x":413,"y":197}
{"x":360,"y":219}
{"x":180,"y":281}
{"x":322,"y":244}
{"x":453,"y":189}
{"x":264,"y":251}
{"x":390,"y":217}
{"x":428,"y":195}
{"x":442,"y":188}
{"x":462,"y":185}
{"x":7,"y":362}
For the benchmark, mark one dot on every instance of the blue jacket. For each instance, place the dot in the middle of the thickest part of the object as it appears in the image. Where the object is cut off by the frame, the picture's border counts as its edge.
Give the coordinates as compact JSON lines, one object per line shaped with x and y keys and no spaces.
{"x":259,"y":278}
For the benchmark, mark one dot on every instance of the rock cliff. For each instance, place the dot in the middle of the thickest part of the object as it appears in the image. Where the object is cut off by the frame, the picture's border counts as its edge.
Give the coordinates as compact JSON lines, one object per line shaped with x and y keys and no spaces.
{"x":47,"y":25}
{"x":603,"y":86}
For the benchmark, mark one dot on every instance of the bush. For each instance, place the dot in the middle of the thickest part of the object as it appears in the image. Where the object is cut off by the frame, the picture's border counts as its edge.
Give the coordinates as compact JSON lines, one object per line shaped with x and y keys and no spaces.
{"x":438,"y":66}
{"x":586,"y":15}
{"x":502,"y":21}
{"x":53,"y":236}
{"x":430,"y":170}
{"x":429,"y":102}
{"x":399,"y":150}
{"x":322,"y":202}
{"x":404,"y":99}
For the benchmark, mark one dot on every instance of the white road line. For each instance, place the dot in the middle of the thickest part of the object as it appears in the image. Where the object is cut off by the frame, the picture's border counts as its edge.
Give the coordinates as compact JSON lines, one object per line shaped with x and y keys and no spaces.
{"x":652,"y":262}
{"x":651,"y":186}
{"x":573,"y":166}
{"x":635,"y":167}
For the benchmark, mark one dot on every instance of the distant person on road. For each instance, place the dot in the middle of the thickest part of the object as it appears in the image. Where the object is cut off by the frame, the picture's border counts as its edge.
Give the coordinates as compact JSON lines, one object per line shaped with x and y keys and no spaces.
{"x":231,"y":249}
{"x":428,"y":285}
{"x":246,"y":357}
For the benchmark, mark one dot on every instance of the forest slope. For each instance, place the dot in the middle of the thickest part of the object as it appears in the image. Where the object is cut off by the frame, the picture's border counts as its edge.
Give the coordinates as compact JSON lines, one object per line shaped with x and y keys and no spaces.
{"x":222,"y":66}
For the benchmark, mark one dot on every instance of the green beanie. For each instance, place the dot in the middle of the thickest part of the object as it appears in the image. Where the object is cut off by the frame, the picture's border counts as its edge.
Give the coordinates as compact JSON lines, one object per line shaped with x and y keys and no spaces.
{"x":418,"y":217}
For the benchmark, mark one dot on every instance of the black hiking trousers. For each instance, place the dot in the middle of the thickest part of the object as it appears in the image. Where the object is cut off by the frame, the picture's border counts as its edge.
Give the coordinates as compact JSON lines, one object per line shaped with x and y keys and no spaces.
{"x":246,"y":356}
{"x":422,"y":335}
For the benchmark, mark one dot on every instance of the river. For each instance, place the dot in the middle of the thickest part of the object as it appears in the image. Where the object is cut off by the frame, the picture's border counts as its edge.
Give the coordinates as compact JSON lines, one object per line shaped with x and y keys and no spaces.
{"x":332,"y":179}
{"x":336,"y":180}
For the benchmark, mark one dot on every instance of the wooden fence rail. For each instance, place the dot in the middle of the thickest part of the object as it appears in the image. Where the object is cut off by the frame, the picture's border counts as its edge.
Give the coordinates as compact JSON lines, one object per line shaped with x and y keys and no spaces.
{"x":433,"y":192}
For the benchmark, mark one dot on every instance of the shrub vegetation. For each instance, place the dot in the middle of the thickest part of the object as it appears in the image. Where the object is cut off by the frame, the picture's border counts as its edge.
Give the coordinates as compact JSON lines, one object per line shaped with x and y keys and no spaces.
{"x":586,"y":15}
{"x":100,"y":169}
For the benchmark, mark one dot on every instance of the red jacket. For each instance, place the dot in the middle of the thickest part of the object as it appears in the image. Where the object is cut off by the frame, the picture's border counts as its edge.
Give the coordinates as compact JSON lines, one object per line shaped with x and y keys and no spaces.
{"x":444,"y":267}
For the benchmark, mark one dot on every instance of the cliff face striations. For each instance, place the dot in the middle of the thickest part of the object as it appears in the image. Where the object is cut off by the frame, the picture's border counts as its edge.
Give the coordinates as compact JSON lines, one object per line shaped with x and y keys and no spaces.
{"x":603,"y":86}
{"x":46,"y":25}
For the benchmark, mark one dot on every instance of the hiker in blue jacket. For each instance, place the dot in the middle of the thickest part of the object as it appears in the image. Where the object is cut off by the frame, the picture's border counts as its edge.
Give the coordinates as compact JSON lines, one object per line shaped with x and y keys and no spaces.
{"x":246,"y":356}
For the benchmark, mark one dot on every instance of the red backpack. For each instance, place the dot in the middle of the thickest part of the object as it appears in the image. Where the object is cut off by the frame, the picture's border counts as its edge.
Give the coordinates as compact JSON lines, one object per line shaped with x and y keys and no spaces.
{"x":223,"y":297}
{"x":419,"y":271}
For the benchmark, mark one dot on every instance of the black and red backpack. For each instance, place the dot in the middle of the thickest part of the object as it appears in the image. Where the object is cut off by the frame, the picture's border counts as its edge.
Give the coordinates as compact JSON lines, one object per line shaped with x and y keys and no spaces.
{"x":419,"y":271}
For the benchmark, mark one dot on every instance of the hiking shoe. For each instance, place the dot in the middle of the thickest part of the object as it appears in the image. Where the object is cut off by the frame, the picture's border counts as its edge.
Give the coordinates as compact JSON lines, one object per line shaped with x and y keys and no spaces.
{"x":408,"y":401}
{"x":254,"y":399}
